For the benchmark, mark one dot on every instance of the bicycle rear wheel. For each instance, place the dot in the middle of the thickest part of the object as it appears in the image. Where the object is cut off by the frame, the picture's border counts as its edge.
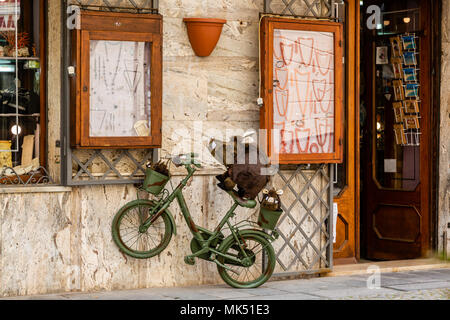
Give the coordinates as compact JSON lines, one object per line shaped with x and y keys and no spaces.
{"x":261,"y":257}
{"x":131,"y":240}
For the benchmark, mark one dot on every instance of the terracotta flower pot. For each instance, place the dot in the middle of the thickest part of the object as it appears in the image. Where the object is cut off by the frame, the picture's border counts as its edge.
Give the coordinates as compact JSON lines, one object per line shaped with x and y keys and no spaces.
{"x":204,"y":33}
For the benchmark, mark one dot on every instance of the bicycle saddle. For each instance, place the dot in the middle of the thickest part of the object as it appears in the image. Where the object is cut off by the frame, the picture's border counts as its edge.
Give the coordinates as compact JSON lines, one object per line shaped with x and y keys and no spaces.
{"x":246,"y":203}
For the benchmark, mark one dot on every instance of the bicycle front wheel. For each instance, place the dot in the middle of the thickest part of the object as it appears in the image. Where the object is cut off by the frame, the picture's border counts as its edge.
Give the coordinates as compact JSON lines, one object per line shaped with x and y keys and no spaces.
{"x":129,"y":237}
{"x":260,"y":261}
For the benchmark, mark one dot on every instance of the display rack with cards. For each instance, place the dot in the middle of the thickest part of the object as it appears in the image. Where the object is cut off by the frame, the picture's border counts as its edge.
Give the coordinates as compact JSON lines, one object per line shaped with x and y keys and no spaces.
{"x":406,"y":87}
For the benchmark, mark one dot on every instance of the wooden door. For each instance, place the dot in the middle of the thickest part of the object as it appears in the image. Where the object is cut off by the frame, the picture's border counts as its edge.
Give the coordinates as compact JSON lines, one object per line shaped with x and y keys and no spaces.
{"x":346,"y":246}
{"x":395,"y":151}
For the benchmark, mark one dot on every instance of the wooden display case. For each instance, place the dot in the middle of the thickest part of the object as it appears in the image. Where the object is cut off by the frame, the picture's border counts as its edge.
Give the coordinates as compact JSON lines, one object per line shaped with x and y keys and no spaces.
{"x":116,"y":93}
{"x":302,"y":88}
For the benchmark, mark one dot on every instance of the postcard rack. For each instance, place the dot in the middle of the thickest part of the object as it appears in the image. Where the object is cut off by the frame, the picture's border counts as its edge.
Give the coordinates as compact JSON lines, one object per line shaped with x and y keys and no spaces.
{"x":406,"y":89}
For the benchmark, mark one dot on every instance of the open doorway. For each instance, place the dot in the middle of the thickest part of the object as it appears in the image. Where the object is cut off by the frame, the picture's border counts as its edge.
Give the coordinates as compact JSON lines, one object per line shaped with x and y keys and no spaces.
{"x":396,"y":133}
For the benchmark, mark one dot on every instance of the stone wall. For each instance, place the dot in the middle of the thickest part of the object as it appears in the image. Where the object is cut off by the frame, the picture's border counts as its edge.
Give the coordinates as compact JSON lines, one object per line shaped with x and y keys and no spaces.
{"x":59,"y":239}
{"x":444,"y":147}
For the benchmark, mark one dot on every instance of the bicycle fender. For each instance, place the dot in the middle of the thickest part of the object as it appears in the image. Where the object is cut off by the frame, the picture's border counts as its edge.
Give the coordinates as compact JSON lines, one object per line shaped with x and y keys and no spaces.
{"x":258,"y":232}
{"x":172,"y":220}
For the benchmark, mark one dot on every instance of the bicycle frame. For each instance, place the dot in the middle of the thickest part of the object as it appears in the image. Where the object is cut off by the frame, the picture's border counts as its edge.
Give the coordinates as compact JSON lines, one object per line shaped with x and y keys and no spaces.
{"x":196,"y":230}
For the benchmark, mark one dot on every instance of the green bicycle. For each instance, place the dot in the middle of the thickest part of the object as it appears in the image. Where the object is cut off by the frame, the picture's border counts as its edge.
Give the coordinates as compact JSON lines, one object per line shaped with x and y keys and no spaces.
{"x":245,"y":258}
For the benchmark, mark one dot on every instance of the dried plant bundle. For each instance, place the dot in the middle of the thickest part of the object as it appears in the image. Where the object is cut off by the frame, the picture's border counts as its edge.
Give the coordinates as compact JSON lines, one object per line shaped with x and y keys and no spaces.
{"x":23,"y":38}
{"x":160,"y":167}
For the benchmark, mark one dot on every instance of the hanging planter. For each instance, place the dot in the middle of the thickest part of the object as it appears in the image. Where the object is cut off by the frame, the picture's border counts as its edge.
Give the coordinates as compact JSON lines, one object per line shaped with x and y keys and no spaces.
{"x":204,"y":33}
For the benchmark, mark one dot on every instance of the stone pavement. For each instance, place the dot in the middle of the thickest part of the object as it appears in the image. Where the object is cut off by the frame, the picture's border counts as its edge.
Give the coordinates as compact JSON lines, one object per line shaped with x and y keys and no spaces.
{"x":413,"y":285}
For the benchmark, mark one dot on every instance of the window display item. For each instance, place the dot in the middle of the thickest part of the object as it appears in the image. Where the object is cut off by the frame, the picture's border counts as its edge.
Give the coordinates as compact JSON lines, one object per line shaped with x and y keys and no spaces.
{"x":412,"y":90}
{"x":397,"y":68}
{"x":382,"y":55}
{"x":409,"y":42}
{"x":398,"y":112}
{"x":411,"y":106}
{"x":5,"y":155}
{"x":410,"y":75}
{"x":27,"y":150}
{"x":19,"y":48}
{"x":400,"y":136}
{"x":411,"y":122}
{"x":396,"y":47}
{"x":409,"y":58}
{"x":398,"y":90}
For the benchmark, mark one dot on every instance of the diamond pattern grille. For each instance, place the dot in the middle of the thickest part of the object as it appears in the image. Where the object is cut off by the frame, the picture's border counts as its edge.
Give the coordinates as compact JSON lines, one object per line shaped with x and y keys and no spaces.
{"x":305,"y":240}
{"x":103,"y":166}
{"x":139,"y":6}
{"x":304,"y":8}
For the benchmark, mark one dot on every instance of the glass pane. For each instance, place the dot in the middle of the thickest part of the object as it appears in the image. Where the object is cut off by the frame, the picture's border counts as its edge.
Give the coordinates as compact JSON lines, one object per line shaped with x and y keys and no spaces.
{"x":20,"y":103}
{"x":120,"y":88}
{"x":303,"y":94}
{"x":397,"y":102}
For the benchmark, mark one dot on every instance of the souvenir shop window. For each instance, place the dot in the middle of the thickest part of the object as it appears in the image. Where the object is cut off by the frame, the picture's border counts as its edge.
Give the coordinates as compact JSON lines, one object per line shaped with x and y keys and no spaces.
{"x":22,"y":92}
{"x":302,"y":88}
{"x":116,"y":89}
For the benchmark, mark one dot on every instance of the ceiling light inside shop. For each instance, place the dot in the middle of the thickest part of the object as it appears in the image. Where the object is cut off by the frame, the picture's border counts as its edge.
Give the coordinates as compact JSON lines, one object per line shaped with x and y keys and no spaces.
{"x":406,"y":19}
{"x":16,"y":130}
{"x":386,"y":23}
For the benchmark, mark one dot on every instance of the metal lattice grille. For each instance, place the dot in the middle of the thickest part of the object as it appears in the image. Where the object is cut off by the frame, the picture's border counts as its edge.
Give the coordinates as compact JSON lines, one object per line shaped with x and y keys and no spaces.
{"x":109,"y":164}
{"x":11,"y":176}
{"x":139,"y":6}
{"x":303,"y":8}
{"x":99,"y":166}
{"x":305,"y":239}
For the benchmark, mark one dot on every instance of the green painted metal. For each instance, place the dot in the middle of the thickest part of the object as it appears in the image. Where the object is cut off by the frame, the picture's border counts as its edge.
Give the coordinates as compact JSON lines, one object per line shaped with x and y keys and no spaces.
{"x":268,"y":219}
{"x":154,"y":181}
{"x":227,"y":253}
{"x":246,"y":203}
{"x":268,"y":267}
{"x":121,"y":239}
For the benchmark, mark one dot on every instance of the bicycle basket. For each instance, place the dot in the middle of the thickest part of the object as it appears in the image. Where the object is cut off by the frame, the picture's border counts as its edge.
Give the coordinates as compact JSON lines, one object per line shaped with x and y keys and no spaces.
{"x":154,"y":181}
{"x":268,"y":219}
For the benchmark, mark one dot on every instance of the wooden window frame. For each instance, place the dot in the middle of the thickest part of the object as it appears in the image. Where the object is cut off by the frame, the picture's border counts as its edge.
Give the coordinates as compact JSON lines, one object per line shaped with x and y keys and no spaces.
{"x":268,"y":25}
{"x":114,"y":26}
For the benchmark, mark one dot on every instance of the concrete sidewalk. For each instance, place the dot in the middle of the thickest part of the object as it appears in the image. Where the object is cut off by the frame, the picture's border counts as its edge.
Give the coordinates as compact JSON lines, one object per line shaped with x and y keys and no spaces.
{"x":412,"y":285}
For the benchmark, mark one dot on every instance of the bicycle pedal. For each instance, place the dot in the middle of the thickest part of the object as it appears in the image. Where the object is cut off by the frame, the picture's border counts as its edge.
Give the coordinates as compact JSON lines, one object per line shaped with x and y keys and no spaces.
{"x":189,"y":260}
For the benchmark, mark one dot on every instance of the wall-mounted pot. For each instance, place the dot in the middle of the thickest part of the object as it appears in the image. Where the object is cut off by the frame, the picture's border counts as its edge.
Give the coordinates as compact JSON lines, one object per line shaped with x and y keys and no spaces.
{"x":204,"y":33}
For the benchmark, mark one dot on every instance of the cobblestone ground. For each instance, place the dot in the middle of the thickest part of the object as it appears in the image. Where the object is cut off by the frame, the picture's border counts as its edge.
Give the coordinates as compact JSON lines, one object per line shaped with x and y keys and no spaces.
{"x":415,"y":285}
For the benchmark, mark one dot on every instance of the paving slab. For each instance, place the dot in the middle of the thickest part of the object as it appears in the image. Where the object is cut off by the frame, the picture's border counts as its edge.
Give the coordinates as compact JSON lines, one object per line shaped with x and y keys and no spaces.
{"x":351,"y":293}
{"x":427,"y":284}
{"x":295,"y":296}
{"x":421,"y":286}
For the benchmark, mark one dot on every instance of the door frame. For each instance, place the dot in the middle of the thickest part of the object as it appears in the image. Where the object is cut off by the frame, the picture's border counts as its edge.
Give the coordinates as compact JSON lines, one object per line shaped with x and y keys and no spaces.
{"x":436,"y":53}
{"x":348,"y":198}
{"x":431,"y":194}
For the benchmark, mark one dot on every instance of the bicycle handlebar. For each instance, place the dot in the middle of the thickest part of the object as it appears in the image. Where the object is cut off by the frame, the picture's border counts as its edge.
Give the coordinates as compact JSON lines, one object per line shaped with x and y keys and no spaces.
{"x":186,"y":159}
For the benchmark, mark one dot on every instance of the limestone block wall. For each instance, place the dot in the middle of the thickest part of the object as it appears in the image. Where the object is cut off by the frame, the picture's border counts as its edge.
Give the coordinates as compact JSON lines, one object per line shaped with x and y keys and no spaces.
{"x":444,"y":147}
{"x":61,"y":240}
